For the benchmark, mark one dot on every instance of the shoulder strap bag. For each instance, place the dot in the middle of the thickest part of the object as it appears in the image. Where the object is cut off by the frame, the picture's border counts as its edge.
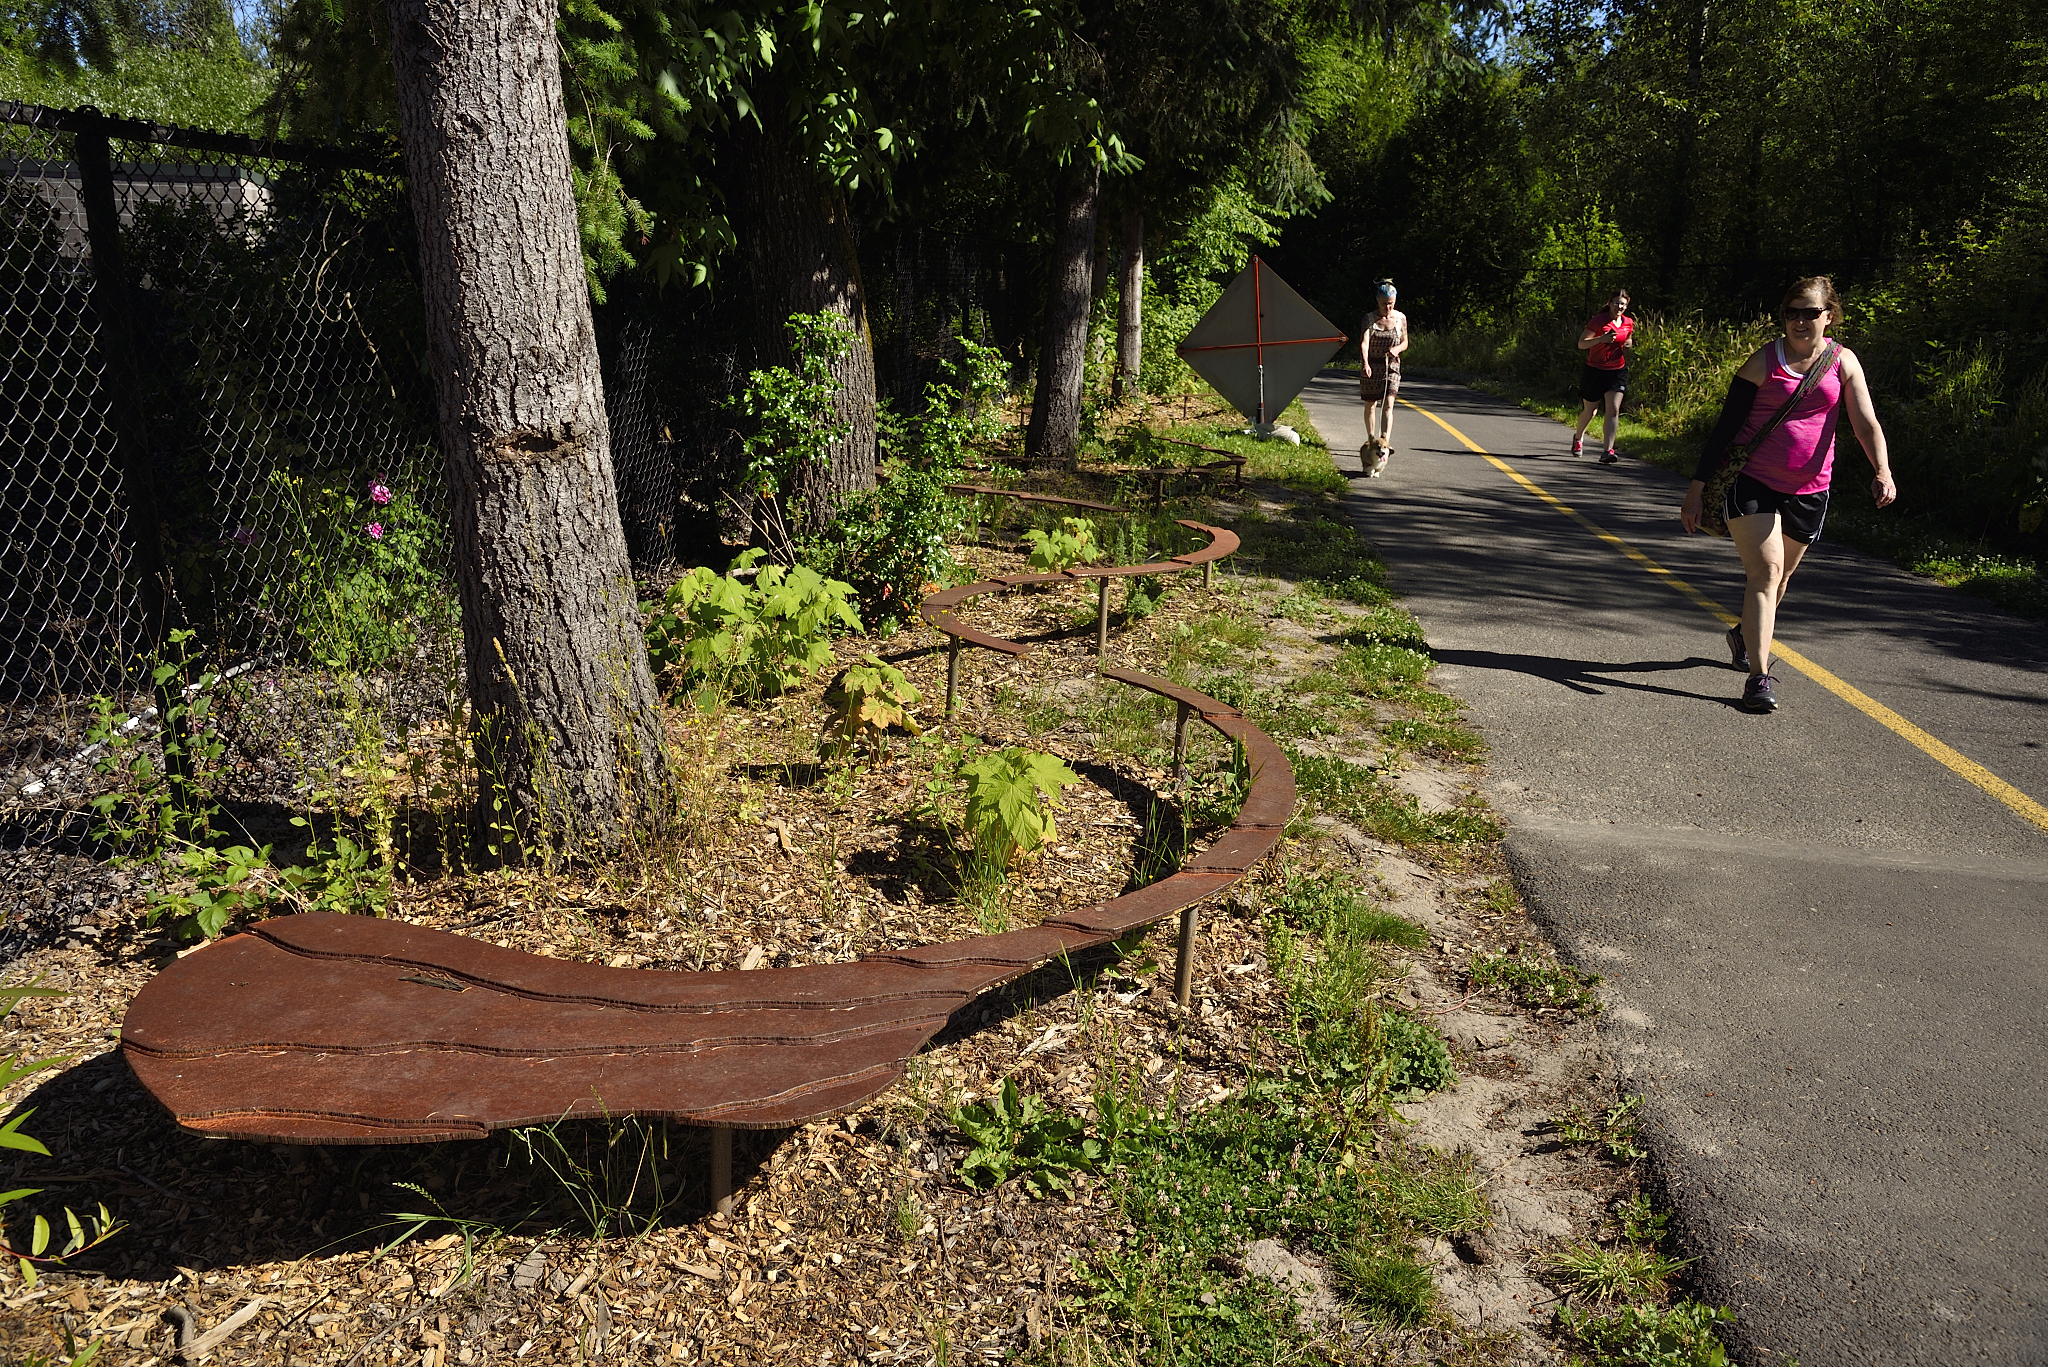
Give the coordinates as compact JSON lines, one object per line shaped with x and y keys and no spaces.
{"x":1713,"y":507}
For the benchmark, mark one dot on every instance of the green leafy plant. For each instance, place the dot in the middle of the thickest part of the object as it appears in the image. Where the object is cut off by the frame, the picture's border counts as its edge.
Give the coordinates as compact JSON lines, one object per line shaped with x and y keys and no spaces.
{"x":1015,"y":1135}
{"x":1073,"y":543}
{"x":747,"y":639}
{"x":869,"y":699}
{"x":84,"y":1232}
{"x":890,"y":542}
{"x":1011,"y":795}
{"x":611,"y":1169}
{"x":1614,"y":1131}
{"x":150,"y":804}
{"x":1639,"y":1221}
{"x":216,"y":885}
{"x":1415,"y":1060}
{"x":1644,"y":1336}
{"x":1536,"y":983}
{"x":791,"y":420}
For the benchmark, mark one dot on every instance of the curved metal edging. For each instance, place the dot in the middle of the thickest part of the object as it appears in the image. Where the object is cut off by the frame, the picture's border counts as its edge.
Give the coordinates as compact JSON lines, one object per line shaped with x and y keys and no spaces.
{"x":353,"y":1030}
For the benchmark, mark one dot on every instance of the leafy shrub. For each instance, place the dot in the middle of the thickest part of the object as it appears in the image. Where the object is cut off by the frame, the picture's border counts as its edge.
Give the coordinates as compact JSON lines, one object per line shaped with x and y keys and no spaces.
{"x":1644,"y":1336}
{"x":1072,"y":544}
{"x":1011,"y":795}
{"x":213,"y":887}
{"x":869,"y":698}
{"x":1614,"y":1132}
{"x":365,"y":578}
{"x":88,"y":1231}
{"x":792,"y":424}
{"x":890,"y":542}
{"x":149,"y":805}
{"x":747,"y":639}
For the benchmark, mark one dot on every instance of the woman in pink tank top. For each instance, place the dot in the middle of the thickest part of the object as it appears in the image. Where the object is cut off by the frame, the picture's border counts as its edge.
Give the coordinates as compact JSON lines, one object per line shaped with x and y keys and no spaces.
{"x":1780,"y":499}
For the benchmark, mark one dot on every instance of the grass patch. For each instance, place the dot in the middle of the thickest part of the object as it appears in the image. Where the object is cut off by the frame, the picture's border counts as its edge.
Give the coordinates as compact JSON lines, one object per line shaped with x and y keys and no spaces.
{"x":1389,"y":1285}
{"x":1361,"y":796}
{"x":1536,"y":983}
{"x":1438,"y":740}
{"x":1212,"y":422}
{"x":1309,"y":544}
{"x":1612,"y":1273}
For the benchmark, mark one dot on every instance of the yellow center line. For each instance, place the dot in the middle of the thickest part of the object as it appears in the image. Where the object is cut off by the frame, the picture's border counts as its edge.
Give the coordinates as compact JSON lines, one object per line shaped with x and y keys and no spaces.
{"x":1841,"y":688}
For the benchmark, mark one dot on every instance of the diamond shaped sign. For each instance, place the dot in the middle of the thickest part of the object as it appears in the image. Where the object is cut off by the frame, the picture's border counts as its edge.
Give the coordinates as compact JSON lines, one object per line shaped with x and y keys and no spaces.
{"x":1260,"y":343}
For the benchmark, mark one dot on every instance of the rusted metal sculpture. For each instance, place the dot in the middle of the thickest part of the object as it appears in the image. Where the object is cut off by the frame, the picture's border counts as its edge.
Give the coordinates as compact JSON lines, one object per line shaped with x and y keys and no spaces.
{"x":351,"y":1030}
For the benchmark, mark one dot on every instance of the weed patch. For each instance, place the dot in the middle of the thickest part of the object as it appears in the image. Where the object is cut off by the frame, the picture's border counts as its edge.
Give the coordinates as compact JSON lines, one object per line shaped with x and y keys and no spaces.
{"x":1536,"y":983}
{"x":1361,"y":796}
{"x":1389,"y":1284}
{"x":1644,"y":1336}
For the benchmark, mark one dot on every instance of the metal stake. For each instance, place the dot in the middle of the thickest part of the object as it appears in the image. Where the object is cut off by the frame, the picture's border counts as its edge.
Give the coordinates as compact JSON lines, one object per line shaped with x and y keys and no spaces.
{"x":1207,"y":567}
{"x":721,"y":1171}
{"x":1180,"y":744}
{"x":952,"y":673}
{"x":1101,"y":622}
{"x":1184,"y":960}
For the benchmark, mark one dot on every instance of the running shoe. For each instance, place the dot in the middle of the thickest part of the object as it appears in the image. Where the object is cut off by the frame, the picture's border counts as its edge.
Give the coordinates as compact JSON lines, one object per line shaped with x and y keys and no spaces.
{"x":1578,"y":446}
{"x":1738,"y":649}
{"x":1757,"y":694}
{"x":1608,"y":457}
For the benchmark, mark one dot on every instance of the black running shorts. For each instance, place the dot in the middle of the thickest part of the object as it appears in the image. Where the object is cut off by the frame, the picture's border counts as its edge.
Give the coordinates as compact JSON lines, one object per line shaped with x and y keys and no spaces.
{"x":1595,"y":382}
{"x":1800,"y":515}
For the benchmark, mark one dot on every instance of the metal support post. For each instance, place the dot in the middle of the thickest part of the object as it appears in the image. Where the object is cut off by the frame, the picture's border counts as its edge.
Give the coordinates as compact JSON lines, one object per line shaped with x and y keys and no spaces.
{"x":952,"y":674}
{"x":122,"y":387}
{"x":1184,"y":960}
{"x":1180,"y":744}
{"x":1208,"y":567}
{"x":721,"y":1171}
{"x":1101,"y":622}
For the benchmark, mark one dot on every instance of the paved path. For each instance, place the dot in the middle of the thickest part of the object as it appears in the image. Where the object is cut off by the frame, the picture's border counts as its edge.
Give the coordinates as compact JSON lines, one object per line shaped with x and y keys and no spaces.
{"x":1826,"y":936}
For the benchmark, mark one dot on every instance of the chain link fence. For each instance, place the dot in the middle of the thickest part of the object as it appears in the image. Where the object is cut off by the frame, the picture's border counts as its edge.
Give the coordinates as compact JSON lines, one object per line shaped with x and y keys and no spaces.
{"x":221,"y":458}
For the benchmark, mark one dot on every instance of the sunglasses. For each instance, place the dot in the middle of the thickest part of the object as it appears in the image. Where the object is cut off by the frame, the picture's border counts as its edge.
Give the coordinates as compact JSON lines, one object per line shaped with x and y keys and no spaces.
{"x":1804,"y":315}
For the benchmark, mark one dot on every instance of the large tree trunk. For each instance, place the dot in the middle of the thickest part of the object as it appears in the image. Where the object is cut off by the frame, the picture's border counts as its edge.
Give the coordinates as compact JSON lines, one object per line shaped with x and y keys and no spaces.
{"x":567,"y":723}
{"x":1130,"y":308}
{"x":797,"y":239}
{"x":1055,"y":431}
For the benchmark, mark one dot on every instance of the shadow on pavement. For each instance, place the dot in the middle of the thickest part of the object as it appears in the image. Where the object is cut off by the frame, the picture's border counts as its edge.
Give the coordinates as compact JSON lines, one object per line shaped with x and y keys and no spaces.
{"x":1581,"y":676}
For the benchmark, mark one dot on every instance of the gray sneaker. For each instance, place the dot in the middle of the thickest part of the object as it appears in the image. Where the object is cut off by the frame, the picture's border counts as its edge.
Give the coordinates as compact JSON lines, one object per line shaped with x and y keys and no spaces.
{"x":1757,"y":694}
{"x":1738,"y":649}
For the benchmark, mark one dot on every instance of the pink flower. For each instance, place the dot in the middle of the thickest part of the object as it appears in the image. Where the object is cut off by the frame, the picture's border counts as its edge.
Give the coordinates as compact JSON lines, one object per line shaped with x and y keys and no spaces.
{"x":376,"y":531}
{"x":379,"y":494}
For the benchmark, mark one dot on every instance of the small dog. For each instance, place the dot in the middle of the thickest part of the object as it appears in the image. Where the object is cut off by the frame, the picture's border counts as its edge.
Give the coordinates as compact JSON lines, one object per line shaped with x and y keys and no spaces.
{"x":1373,"y":456}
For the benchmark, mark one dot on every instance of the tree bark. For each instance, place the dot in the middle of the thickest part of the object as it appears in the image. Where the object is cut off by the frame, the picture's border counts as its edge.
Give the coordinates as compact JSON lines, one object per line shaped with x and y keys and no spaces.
{"x":796,"y":236}
{"x":1130,"y":308}
{"x":1055,"y":431}
{"x":566,"y":722}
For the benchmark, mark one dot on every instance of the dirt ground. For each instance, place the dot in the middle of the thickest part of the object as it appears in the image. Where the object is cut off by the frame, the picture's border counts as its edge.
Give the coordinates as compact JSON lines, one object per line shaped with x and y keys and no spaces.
{"x":851,"y":1240}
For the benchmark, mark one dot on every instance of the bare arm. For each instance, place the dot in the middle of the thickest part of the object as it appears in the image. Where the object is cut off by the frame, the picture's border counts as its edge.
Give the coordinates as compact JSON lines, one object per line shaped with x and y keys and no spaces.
{"x":1402,"y":345}
{"x":1863,"y":420}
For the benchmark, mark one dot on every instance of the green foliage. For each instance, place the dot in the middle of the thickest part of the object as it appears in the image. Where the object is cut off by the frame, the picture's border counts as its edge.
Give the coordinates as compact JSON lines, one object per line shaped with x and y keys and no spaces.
{"x":1358,"y":794}
{"x":1073,"y":543}
{"x":791,"y":422}
{"x":1388,"y":1283}
{"x":617,"y":1171}
{"x":1536,"y":983}
{"x":747,"y":639}
{"x":869,"y":699}
{"x":1613,"y":1132}
{"x":1011,"y":795}
{"x":1015,"y":1135}
{"x":222,"y":883}
{"x":890,"y":543}
{"x":1644,"y":1336}
{"x":363,"y":582}
{"x":150,"y":803}
{"x":1417,"y":1061}
{"x":83,"y":1232}
{"x":1640,"y":1222}
{"x":1214,"y":800}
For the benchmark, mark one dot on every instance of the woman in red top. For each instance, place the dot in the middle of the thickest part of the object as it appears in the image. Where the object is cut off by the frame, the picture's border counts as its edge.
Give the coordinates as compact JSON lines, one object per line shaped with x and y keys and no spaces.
{"x":1780,"y":499}
{"x":1605,"y":377}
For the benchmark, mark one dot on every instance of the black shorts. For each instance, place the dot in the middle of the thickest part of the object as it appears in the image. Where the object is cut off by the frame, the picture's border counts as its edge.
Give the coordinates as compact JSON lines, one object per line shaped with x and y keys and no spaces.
{"x":1801,"y":515}
{"x":1594,"y":383}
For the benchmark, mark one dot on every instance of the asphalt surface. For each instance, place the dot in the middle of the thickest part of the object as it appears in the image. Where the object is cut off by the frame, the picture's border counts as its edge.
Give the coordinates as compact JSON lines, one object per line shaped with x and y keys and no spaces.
{"x":1824,"y":950}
